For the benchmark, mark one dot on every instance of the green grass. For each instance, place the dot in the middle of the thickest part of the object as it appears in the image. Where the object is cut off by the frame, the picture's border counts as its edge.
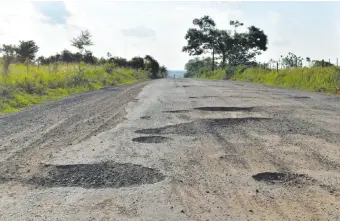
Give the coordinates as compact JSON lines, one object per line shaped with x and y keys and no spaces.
{"x":39,"y":84}
{"x":318,"y":79}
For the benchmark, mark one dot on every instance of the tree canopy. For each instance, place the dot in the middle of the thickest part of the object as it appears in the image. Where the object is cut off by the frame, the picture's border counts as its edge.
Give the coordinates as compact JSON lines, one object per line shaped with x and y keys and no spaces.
{"x":26,"y":50}
{"x":234,"y":48}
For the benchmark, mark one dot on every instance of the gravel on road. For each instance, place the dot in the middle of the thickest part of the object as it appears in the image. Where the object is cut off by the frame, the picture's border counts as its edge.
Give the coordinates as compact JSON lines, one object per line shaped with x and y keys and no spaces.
{"x":174,"y":149}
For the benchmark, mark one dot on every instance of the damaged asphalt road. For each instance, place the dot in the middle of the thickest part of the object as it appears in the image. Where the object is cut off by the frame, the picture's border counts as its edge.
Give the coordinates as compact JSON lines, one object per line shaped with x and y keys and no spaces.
{"x":174,"y":149}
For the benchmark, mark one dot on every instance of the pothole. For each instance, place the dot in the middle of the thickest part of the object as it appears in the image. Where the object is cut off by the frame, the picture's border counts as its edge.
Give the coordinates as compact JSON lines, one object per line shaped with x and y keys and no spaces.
{"x":224,"y":108}
{"x":201,"y":126}
{"x":284,"y":178}
{"x":101,"y":175}
{"x":176,"y":111}
{"x":299,"y":97}
{"x":145,"y":117}
{"x":204,"y":97}
{"x":151,"y":139}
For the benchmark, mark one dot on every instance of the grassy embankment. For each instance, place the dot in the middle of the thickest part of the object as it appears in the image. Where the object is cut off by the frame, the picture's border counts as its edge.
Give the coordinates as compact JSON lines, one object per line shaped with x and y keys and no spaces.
{"x":23,"y":89}
{"x":319,"y":79}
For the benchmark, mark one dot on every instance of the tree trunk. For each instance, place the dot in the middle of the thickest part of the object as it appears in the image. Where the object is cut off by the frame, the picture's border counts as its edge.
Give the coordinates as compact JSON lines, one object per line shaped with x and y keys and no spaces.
{"x":213,"y":60}
{"x":223,"y":60}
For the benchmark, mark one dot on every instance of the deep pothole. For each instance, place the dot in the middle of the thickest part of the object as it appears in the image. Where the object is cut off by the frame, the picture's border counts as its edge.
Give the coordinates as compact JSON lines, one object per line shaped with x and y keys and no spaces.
{"x":151,"y":139}
{"x":100,"y":175}
{"x":224,"y":108}
{"x":284,"y":178}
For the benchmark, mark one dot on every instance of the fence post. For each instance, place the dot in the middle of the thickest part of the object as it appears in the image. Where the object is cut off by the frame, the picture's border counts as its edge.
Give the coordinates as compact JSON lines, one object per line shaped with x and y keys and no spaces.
{"x":277,"y":66}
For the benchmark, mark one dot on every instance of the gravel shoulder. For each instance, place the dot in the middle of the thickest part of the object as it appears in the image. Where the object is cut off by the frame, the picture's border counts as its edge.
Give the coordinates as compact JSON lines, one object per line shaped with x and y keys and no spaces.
{"x":174,"y":149}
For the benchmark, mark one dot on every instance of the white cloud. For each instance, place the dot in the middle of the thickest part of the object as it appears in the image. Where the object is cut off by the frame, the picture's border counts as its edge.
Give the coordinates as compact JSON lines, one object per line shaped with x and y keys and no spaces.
{"x":274,"y":17}
{"x":139,"y":32}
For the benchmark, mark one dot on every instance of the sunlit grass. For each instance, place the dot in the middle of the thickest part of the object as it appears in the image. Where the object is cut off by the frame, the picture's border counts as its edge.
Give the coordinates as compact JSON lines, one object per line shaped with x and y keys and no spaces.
{"x":25,"y":87}
{"x":319,"y":79}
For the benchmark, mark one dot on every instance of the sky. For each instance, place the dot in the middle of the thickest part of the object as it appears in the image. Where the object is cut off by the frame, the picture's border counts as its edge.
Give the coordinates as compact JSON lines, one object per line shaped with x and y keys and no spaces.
{"x":128,"y":29}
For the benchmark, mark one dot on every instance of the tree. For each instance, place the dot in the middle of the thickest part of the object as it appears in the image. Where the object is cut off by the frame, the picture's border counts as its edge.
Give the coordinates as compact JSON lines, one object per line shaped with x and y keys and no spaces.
{"x":81,"y":42}
{"x":321,"y":63}
{"x":291,"y":60}
{"x":136,"y":63}
{"x":223,"y":45}
{"x":102,"y":61}
{"x":194,"y":66}
{"x":203,"y":39}
{"x":66,"y":56}
{"x":26,"y":50}
{"x":118,"y":61}
{"x":8,"y":52}
{"x":164,"y":71}
{"x":236,"y":48}
{"x":41,"y":61}
{"x":244,"y":47}
{"x":152,"y":65}
{"x":89,"y":58}
{"x":308,"y":60}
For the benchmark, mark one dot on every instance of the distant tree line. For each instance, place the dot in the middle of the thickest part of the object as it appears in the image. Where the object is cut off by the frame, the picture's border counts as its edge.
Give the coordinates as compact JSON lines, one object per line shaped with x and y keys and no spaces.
{"x":25,"y":52}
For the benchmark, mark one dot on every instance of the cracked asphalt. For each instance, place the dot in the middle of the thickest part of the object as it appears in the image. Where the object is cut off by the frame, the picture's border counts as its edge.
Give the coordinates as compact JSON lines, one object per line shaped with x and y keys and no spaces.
{"x":174,"y":149}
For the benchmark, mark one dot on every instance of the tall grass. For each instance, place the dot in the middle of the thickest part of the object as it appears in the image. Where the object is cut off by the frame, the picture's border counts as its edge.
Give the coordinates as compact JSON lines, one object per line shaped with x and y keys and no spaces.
{"x":325,"y":79}
{"x":25,"y":87}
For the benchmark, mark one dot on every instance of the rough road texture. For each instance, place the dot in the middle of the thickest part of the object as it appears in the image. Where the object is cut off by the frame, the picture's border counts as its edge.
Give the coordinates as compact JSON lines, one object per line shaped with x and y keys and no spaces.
{"x":178,"y":149}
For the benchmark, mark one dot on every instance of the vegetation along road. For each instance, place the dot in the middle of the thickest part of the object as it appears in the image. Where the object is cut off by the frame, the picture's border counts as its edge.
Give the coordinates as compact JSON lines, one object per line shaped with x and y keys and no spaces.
{"x":174,"y":149}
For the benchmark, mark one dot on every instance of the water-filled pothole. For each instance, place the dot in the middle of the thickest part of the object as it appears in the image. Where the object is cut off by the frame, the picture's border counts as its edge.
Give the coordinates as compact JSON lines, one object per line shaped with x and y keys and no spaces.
{"x":151,"y":139}
{"x":283,"y":178}
{"x":101,"y":175}
{"x":224,"y":108}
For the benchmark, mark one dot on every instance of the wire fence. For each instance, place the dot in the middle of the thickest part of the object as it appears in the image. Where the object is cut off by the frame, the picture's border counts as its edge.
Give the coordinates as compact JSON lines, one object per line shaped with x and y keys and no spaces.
{"x":279,"y":65}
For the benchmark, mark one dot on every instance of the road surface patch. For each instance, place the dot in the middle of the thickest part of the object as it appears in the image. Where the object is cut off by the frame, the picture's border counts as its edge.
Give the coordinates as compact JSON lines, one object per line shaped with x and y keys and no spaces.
{"x":200,"y":126}
{"x":293,"y":179}
{"x":100,"y":175}
{"x":203,"y":97}
{"x":299,"y":97}
{"x":176,"y":111}
{"x":151,"y":139}
{"x":224,"y":108}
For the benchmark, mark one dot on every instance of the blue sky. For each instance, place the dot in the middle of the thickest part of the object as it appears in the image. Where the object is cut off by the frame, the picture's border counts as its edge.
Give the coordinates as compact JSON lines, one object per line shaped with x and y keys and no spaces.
{"x":157,"y":28}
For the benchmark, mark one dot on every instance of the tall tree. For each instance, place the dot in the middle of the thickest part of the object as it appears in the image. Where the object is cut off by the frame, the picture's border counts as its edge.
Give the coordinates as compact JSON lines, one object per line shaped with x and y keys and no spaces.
{"x":203,"y":39}
{"x":81,"y":43}
{"x":8,"y":52}
{"x":234,"y":47}
{"x":26,"y":50}
{"x":152,"y":65}
{"x":223,"y":45}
